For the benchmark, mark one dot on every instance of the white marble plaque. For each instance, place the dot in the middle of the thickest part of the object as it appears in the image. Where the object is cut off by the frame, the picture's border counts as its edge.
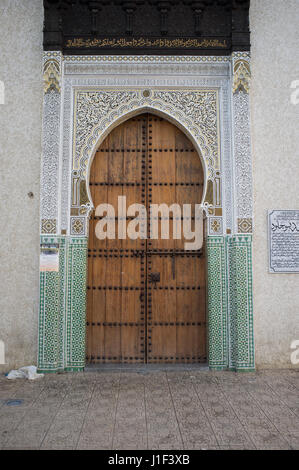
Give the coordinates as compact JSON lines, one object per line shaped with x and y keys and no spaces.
{"x":283,"y":241}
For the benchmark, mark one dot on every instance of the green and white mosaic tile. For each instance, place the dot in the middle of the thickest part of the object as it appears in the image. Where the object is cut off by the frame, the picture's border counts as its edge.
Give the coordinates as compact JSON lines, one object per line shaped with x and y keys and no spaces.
{"x":217,"y":303}
{"x":63,"y":308}
{"x":51,"y":319}
{"x":76,"y":303}
{"x":240,"y":303}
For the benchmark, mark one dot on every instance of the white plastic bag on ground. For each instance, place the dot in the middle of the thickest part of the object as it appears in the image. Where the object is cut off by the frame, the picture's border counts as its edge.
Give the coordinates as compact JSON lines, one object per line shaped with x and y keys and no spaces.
{"x":28,"y":372}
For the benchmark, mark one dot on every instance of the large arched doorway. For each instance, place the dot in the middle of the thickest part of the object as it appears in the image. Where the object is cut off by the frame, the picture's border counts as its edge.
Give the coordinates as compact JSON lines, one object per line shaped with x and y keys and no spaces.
{"x":145,"y":297}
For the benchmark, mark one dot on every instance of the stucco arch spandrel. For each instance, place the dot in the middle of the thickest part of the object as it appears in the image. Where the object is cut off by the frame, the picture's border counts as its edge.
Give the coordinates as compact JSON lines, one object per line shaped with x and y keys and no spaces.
{"x":195,"y":112}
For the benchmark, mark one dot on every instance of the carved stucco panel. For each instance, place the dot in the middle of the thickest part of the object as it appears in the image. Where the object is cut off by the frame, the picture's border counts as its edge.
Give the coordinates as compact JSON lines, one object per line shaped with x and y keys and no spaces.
{"x":195,"y":110}
{"x":242,"y":142}
{"x":242,"y":146}
{"x":165,"y":100}
{"x":51,"y":139}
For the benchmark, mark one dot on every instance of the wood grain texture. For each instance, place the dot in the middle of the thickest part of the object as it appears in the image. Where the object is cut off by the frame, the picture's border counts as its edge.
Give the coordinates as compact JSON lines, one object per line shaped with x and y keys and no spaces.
{"x":130,"y":316}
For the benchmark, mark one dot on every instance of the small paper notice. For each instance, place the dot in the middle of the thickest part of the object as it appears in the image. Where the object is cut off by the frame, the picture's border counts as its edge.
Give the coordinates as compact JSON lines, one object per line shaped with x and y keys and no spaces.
{"x":49,"y":260}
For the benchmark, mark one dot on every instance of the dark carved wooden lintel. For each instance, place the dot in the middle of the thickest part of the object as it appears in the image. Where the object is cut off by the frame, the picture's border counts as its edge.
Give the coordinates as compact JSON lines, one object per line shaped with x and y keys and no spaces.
{"x":194,"y":27}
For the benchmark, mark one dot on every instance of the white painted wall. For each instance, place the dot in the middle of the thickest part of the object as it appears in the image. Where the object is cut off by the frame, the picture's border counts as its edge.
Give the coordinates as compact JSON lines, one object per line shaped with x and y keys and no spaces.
{"x":21,"y":24}
{"x":275,"y":64}
{"x":275,"y":138}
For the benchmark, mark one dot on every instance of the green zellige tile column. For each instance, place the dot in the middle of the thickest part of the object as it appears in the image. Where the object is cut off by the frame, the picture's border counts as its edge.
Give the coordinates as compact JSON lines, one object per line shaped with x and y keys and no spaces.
{"x":76,"y":303}
{"x":63,"y":307}
{"x":240,"y":303}
{"x":217,"y":302}
{"x":52,"y":311}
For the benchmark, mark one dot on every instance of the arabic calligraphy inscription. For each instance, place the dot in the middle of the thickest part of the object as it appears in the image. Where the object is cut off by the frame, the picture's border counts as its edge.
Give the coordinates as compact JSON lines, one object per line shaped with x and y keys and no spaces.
{"x":283,"y":241}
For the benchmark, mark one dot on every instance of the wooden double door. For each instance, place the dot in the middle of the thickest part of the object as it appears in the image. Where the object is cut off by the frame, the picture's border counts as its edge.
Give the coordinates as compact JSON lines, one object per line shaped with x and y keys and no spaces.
{"x":145,"y":296}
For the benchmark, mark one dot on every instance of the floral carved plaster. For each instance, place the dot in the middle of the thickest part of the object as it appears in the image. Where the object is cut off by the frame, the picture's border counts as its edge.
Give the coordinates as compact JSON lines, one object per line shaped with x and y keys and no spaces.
{"x":194,"y":110}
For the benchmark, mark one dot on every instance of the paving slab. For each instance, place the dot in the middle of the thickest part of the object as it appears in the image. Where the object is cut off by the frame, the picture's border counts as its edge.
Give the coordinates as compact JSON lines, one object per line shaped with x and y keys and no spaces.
{"x":156,"y":408}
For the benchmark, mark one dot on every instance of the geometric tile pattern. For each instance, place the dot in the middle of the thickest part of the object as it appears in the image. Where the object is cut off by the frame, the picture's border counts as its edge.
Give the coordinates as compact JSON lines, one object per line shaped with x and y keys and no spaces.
{"x":76,"y":303}
{"x":62,"y":308}
{"x":62,"y":316}
{"x":216,"y":226}
{"x":49,"y":320}
{"x":229,"y":302}
{"x":78,"y":225}
{"x":240,"y":303}
{"x":49,"y":354}
{"x":217,"y":302}
{"x":245,"y":225}
{"x":48,"y":226}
